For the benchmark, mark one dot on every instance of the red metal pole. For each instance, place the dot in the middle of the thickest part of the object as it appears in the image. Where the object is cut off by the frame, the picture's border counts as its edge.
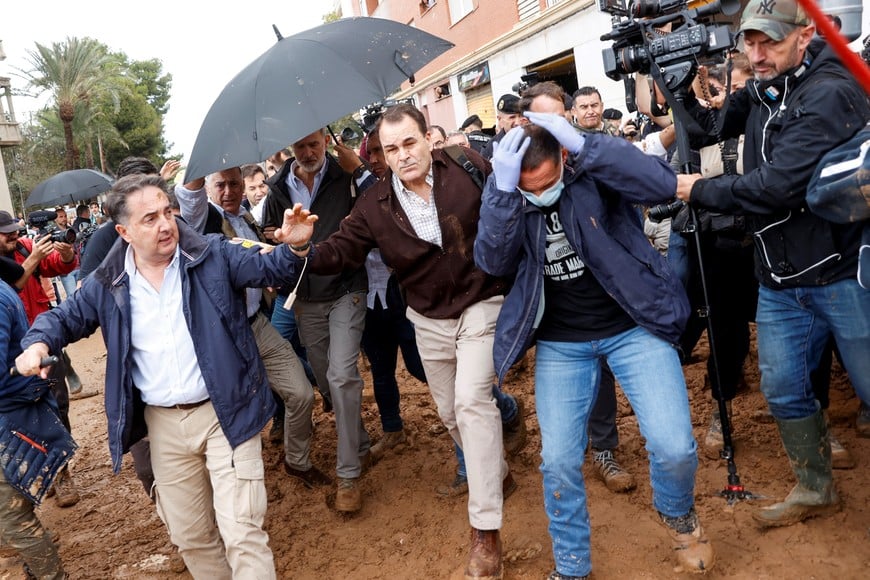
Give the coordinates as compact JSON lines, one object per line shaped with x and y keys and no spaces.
{"x":851,"y":60}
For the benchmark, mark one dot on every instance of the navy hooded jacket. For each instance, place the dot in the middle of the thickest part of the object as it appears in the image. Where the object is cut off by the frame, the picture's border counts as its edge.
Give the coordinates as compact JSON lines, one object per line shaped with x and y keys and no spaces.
{"x":595,"y":208}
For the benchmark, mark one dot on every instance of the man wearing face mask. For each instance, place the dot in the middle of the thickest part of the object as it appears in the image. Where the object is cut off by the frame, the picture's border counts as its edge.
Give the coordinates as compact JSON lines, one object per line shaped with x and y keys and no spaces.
{"x":558,"y":214}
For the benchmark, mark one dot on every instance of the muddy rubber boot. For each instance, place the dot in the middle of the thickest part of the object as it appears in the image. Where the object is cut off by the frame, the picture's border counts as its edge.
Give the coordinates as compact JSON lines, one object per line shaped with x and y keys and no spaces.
{"x":73,"y":382}
{"x":808,"y":448}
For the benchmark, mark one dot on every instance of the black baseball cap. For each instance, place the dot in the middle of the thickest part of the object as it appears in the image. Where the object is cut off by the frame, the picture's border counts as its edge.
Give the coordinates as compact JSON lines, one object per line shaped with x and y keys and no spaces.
{"x":8,"y":224}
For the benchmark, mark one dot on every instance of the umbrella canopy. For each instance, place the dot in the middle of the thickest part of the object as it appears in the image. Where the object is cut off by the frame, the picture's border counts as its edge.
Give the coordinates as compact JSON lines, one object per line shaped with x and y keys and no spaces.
{"x":69,"y":186}
{"x":303,"y":83}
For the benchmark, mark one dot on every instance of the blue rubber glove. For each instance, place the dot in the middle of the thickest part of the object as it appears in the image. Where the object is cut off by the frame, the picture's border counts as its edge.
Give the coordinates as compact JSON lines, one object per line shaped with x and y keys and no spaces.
{"x":507,"y":158}
{"x":559,"y":127}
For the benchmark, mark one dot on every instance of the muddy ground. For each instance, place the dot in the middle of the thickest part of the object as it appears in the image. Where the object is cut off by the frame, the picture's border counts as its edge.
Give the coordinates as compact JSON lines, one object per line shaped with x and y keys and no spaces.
{"x":405,"y":531}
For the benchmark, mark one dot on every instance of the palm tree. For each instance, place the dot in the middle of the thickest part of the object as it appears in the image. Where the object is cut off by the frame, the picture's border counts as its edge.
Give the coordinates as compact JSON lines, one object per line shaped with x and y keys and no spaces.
{"x":77,"y":73}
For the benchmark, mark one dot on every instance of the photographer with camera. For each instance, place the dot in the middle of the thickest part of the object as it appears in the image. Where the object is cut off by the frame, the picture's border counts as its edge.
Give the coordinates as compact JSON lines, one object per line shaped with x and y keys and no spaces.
{"x":801,"y":104}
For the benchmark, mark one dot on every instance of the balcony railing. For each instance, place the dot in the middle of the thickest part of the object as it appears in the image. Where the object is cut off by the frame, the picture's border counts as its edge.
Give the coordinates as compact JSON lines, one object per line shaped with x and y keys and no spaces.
{"x":10,"y":133}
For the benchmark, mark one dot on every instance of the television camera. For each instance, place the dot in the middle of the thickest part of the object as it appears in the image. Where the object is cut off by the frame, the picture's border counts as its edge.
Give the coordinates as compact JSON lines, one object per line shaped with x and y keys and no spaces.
{"x":641,"y":39}
{"x":40,"y":221}
{"x":526,"y":81}
{"x":373,"y":112}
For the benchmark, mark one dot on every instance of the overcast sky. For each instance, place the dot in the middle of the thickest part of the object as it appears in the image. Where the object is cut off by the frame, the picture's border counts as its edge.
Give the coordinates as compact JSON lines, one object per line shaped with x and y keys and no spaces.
{"x":201,"y":45}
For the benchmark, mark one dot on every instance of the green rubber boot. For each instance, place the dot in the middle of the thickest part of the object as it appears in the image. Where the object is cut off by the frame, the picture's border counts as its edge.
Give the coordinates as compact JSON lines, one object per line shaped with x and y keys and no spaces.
{"x":808,"y":447}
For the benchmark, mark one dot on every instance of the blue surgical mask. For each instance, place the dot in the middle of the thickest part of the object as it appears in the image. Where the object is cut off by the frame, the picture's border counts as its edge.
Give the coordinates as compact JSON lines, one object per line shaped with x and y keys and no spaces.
{"x":548,"y":197}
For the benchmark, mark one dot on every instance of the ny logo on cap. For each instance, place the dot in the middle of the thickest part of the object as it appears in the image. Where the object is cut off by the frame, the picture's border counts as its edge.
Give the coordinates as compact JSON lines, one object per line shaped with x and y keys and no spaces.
{"x":766,"y":7}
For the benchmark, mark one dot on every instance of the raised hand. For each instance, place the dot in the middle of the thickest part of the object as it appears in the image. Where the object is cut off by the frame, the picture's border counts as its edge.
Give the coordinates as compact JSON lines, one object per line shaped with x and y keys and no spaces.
{"x":297,"y":228}
{"x":507,"y":159}
{"x":559,"y":127}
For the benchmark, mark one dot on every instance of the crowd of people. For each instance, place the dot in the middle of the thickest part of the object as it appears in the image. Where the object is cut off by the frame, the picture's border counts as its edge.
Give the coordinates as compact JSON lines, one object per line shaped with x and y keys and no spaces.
{"x":226,"y":302}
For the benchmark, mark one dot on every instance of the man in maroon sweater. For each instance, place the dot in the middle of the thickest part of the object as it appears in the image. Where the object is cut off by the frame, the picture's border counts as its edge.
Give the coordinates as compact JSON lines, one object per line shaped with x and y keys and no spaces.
{"x":423,"y":217}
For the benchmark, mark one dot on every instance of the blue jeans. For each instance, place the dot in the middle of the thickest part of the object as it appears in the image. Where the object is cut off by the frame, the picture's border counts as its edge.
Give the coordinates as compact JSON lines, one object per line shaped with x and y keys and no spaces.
{"x":69,"y":282}
{"x":793,"y":327}
{"x":678,"y":257}
{"x":386,"y":331}
{"x":284,"y":322}
{"x":566,"y":380}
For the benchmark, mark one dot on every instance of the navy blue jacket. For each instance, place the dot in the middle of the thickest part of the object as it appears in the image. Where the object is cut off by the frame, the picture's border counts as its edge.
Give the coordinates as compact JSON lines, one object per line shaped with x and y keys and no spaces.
{"x":214,"y":274}
{"x":34,"y":444}
{"x":601,"y":184}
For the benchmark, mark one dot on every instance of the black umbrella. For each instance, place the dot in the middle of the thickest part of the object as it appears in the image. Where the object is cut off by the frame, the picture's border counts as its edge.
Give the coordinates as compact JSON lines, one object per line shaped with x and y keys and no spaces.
{"x":69,"y":186}
{"x":303,"y":83}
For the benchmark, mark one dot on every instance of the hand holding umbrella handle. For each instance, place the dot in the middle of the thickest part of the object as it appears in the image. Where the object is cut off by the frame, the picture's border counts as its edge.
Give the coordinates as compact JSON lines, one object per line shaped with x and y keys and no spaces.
{"x":45,"y":361}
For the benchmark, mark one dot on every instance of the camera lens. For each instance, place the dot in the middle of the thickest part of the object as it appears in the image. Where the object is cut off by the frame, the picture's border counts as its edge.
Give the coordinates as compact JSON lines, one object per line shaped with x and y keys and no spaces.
{"x":66,"y":236}
{"x":632,"y":59}
{"x":644,"y":8}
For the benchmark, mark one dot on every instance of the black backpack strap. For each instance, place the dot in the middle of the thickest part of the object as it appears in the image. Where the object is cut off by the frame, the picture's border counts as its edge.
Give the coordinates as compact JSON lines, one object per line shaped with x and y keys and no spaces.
{"x":456,"y":153}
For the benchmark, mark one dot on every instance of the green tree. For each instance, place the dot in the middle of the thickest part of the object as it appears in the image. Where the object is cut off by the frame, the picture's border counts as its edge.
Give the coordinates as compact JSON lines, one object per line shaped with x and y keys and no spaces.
{"x":151,"y":82}
{"x":139,"y":127}
{"x":76,"y":72}
{"x":138,"y":120}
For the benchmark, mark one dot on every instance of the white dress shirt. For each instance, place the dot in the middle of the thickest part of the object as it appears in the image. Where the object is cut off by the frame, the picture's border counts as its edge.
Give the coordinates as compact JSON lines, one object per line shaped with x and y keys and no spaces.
{"x":165,"y":368}
{"x":422,"y":215}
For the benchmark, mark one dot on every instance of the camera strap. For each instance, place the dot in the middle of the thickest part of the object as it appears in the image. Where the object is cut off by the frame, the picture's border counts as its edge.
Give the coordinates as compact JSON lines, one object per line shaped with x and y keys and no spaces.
{"x":23,"y":251}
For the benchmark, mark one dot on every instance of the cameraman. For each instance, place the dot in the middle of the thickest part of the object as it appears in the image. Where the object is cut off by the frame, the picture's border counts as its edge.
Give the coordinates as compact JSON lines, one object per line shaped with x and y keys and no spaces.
{"x":801,"y":104}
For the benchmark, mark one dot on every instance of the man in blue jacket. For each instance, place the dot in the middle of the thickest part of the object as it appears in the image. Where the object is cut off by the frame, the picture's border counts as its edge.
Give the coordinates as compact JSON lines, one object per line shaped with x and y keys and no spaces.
{"x":182,"y":363}
{"x":34,"y":444}
{"x":590,"y":288}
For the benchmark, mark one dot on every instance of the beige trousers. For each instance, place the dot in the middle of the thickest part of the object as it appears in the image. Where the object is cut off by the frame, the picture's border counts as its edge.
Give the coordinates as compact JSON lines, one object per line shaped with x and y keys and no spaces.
{"x":199,"y":481}
{"x":457,"y":358}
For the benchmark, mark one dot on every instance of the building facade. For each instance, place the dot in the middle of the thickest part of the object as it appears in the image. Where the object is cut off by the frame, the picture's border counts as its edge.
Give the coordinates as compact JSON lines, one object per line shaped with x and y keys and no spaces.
{"x":497,"y":42}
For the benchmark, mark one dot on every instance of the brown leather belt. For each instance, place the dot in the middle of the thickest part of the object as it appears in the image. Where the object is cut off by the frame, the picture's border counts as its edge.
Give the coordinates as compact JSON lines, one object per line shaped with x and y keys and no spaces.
{"x":187,"y":406}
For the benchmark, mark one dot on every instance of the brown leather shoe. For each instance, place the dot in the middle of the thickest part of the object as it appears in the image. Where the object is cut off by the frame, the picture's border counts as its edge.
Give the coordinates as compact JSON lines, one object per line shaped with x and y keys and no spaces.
{"x":176,"y":562}
{"x":693,"y":550}
{"x":457,"y":487}
{"x":348,"y":497}
{"x":310,"y":478}
{"x":387,"y":442}
{"x":66,"y":494}
{"x":484,"y":558}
